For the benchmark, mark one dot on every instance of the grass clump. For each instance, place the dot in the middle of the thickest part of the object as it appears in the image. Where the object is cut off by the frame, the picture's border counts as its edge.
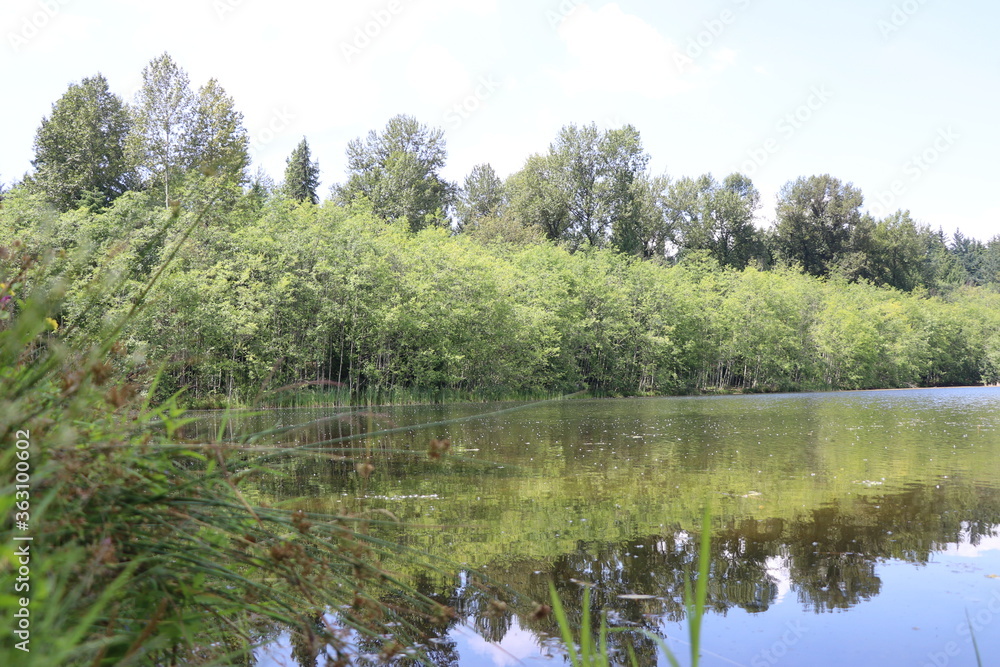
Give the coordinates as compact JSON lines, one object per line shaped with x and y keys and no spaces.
{"x":143,"y":549}
{"x":585,"y":652}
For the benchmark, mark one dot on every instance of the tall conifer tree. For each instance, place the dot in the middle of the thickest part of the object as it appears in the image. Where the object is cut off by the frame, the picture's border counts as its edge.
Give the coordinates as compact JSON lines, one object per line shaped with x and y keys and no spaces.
{"x":302,"y":174}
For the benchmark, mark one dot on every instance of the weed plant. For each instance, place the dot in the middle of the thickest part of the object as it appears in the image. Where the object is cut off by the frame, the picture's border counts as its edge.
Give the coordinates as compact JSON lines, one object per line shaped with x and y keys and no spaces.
{"x":584,"y":652}
{"x":144,"y":550}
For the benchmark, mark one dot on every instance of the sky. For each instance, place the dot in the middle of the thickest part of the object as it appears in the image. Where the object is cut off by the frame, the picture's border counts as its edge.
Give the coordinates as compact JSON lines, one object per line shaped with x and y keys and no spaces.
{"x":897,"y":97}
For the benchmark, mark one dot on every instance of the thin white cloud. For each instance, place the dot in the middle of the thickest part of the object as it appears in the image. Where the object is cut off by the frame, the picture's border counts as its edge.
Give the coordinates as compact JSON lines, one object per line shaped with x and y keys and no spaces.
{"x":966,"y":549}
{"x":723,"y":58}
{"x":616,"y":52}
{"x":435,"y":76}
{"x":481,"y":7}
{"x":37,"y":30}
{"x":516,"y":646}
{"x":777,"y":568}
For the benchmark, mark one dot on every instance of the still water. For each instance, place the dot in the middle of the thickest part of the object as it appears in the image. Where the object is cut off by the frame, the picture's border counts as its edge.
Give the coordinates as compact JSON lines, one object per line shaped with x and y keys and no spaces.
{"x":856,"y":528}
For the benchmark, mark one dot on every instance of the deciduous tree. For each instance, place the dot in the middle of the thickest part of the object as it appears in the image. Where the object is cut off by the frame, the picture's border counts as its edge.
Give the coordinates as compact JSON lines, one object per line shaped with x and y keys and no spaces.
{"x":815,"y":217}
{"x":216,"y":144}
{"x":645,"y":231}
{"x":901,"y":256}
{"x":599,"y":171}
{"x":399,"y":172}
{"x":718,"y":217}
{"x":586,"y":189}
{"x":163,"y":123}
{"x":481,"y":197}
{"x":537,"y":198}
{"x":81,"y":148}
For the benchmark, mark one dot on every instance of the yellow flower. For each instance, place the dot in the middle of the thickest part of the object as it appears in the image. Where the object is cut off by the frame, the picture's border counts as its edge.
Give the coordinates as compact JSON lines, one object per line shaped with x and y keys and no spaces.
{"x":52,"y":323}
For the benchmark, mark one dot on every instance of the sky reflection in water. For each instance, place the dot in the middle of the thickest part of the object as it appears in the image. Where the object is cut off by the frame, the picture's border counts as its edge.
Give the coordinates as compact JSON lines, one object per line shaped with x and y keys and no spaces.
{"x":849,"y":528}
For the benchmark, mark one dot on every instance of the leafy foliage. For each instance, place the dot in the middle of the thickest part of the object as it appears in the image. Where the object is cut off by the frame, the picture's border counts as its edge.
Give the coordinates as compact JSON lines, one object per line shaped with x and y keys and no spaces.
{"x":163,"y":123}
{"x":585,"y":188}
{"x":80,"y":150}
{"x":481,"y":197}
{"x":580,"y":269}
{"x":292,"y":296}
{"x":398,"y":172}
{"x":153,"y":554}
{"x":816,"y":218}
{"x":717,"y":217}
{"x":216,"y":145}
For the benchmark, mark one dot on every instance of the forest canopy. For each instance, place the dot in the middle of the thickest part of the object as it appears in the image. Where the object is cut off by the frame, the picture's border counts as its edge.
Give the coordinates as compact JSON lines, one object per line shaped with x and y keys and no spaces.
{"x":581,"y":269}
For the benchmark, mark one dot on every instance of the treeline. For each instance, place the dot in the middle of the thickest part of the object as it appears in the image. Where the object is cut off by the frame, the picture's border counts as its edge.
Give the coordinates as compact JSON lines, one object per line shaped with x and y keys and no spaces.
{"x":590,"y":188}
{"x":581,"y":269}
{"x":282,"y":292}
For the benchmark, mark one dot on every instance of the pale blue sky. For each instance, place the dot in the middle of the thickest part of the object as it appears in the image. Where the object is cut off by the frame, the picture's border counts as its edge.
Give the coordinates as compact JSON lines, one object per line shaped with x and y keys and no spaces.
{"x":777,"y":89}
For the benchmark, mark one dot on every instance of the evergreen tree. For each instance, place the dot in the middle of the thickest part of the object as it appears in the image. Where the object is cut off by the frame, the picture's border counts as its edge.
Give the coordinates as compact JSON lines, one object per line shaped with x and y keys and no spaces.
{"x":945,"y":267}
{"x":990,"y":260}
{"x":261,"y":188}
{"x":970,"y":254}
{"x":81,"y":148}
{"x":302,"y":174}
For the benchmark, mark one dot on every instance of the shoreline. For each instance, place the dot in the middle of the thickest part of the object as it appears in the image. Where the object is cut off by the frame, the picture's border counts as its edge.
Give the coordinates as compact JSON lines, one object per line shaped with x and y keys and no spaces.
{"x":367,"y":406}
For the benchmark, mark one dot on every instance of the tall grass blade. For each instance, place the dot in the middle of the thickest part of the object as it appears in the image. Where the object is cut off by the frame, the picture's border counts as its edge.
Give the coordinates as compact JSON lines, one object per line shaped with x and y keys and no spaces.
{"x":975,"y":645}
{"x":696,"y":608}
{"x":564,"y":627}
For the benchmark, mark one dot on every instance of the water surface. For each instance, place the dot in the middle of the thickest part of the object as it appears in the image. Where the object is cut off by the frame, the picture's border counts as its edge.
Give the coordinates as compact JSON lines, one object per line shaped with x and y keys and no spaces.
{"x":848,"y":528}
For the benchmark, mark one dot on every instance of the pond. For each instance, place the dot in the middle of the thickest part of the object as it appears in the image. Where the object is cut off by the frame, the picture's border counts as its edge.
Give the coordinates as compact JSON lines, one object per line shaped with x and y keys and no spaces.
{"x":854,"y":528}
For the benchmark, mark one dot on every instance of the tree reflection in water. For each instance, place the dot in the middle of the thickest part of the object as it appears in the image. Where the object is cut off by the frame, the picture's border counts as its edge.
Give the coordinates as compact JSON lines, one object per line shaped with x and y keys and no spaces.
{"x":608,"y":494}
{"x":828,"y":557}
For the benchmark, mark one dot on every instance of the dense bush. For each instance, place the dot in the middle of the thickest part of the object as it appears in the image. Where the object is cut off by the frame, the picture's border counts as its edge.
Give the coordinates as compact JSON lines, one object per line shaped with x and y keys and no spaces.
{"x":282,"y":294}
{"x":130,"y":546}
